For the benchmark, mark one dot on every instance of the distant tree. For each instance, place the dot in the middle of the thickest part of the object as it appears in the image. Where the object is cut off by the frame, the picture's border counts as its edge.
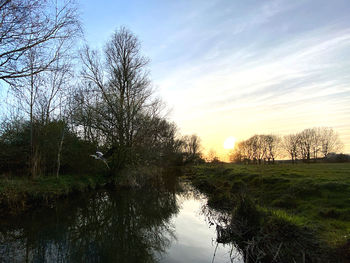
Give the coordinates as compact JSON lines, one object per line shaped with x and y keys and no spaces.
{"x":237,"y":154}
{"x":316,"y":140}
{"x":306,"y":142}
{"x":212,"y":156}
{"x":305,"y":145}
{"x":329,"y":141}
{"x":156,"y":141}
{"x":258,"y":148}
{"x":291,"y":145}
{"x":191,"y":148}
{"x":273,"y":144}
{"x":247,"y":150}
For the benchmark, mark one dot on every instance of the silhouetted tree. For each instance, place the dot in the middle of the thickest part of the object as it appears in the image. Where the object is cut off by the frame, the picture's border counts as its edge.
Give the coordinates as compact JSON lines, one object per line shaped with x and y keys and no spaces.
{"x":273,"y":143}
{"x":329,"y":141}
{"x":291,"y":145}
{"x":306,"y":141}
{"x":191,"y":148}
{"x":212,"y":156}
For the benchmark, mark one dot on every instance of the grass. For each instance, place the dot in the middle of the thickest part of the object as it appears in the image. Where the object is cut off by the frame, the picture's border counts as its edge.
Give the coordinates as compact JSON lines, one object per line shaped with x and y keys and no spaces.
{"x":19,"y":194}
{"x":313,"y":195}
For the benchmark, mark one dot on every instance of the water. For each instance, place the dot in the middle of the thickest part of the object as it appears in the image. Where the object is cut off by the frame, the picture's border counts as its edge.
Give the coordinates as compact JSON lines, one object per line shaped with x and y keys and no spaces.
{"x":195,"y":237}
{"x":162,"y":222}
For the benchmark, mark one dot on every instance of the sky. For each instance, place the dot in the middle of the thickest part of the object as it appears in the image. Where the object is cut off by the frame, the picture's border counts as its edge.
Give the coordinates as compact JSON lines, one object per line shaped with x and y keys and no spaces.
{"x":239,"y":68}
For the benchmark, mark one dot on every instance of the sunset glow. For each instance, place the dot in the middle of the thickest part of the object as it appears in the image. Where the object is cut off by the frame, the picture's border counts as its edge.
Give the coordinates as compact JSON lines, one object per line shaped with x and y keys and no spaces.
{"x":229,"y":143}
{"x":175,"y":131}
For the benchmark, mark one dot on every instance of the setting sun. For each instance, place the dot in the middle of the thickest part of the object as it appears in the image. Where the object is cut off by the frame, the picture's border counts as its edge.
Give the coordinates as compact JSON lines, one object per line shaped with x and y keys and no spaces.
{"x":229,"y":143}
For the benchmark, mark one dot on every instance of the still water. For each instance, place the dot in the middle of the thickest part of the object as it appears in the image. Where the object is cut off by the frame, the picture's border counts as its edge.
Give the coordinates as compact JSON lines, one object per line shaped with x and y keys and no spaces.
{"x":160,"y":221}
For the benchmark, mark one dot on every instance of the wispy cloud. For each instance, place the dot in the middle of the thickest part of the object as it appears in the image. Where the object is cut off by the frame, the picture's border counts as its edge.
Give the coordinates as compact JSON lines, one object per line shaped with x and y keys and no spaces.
{"x":298,"y":82}
{"x":244,"y":67}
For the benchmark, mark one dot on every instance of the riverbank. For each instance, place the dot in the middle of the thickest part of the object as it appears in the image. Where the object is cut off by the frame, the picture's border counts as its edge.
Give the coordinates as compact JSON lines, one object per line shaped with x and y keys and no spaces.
{"x":309,"y":198}
{"x":19,"y":194}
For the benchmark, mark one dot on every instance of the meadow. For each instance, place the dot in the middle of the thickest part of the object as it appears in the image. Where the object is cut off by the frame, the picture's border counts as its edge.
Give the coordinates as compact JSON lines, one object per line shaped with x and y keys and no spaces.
{"x":312,"y":196}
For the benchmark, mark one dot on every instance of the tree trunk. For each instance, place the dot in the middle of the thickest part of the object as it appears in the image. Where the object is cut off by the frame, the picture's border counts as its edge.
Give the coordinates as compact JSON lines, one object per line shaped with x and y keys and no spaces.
{"x":59,"y":154}
{"x":32,"y":161}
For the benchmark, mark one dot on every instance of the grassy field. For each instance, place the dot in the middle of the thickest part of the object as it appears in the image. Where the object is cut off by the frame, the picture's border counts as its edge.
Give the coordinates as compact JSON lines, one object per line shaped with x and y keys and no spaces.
{"x":19,"y":194}
{"x":313,"y":195}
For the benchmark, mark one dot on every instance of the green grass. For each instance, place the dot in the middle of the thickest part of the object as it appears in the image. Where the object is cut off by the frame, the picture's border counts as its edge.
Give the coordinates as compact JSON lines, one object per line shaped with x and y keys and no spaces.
{"x":315,"y":195}
{"x":17,"y":194}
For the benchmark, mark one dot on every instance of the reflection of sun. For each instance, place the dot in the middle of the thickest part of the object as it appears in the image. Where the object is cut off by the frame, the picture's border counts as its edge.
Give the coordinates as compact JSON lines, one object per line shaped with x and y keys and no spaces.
{"x":229,"y":143}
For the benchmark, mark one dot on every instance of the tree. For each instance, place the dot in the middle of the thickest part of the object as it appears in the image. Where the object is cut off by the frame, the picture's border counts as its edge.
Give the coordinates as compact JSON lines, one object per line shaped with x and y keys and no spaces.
{"x":212,"y":156}
{"x":40,"y":96}
{"x":122,"y":94}
{"x":237,"y":155}
{"x":315,"y":140}
{"x":291,"y":145}
{"x":258,"y":147}
{"x":191,"y":148}
{"x":27,"y":93}
{"x":330,"y":141}
{"x":42,"y":25}
{"x":306,"y":141}
{"x":273,"y":146}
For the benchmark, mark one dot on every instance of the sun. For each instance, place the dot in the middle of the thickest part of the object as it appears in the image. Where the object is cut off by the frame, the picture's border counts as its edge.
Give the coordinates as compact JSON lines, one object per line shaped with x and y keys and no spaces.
{"x":229,"y":143}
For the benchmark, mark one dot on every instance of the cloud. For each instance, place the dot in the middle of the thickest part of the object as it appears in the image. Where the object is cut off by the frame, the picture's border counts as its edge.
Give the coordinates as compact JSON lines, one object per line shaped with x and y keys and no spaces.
{"x":246,"y":66}
{"x":301,"y":79}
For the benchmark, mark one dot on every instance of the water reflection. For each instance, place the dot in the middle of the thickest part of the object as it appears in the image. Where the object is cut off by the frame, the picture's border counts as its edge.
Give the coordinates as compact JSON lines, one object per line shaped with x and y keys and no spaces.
{"x":105,"y":226}
{"x":159,"y":222}
{"x":197,"y":241}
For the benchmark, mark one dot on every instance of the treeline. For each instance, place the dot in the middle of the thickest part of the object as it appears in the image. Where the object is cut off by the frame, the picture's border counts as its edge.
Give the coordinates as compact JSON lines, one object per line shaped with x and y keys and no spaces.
{"x":57,"y":118}
{"x":308,"y":144}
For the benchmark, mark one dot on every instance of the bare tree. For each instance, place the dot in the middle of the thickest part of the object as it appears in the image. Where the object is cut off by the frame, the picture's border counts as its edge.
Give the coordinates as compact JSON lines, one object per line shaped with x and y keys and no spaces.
{"x":316,"y":141}
{"x":237,"y":155}
{"x":191,"y":147}
{"x":54,"y":90}
{"x":330,"y":141}
{"x":247,"y":149}
{"x":306,"y":141}
{"x":27,"y":93}
{"x":193,"y":144}
{"x":291,"y":146}
{"x":243,"y":152}
{"x":273,"y":146}
{"x":40,"y":94}
{"x":305,"y":145}
{"x":212,"y":156}
{"x":123,"y":94}
{"x":258,"y":148}
{"x":26,"y":24}
{"x":83,"y":106}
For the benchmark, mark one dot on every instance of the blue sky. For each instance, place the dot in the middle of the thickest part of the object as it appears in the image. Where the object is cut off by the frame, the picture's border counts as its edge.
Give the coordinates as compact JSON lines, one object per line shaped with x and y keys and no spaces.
{"x":236,"y":68}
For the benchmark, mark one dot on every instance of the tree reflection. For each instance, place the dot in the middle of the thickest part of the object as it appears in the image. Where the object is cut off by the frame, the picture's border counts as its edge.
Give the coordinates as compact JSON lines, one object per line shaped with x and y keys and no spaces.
{"x":105,"y":226}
